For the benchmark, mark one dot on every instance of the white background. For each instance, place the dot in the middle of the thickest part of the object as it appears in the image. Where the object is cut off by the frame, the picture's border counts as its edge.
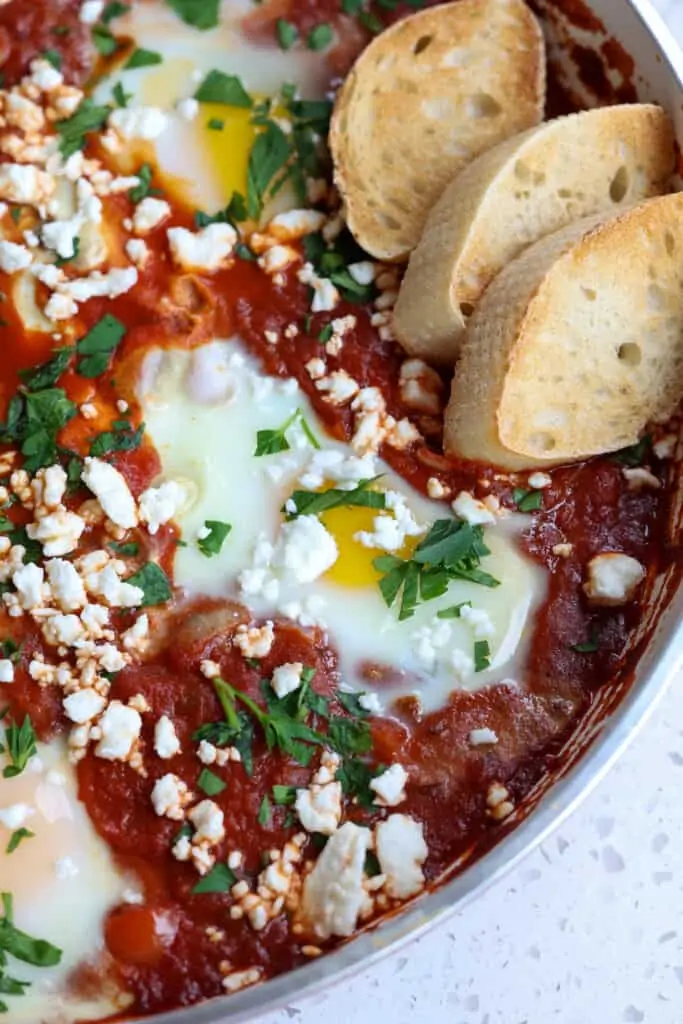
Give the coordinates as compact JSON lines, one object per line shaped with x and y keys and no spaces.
{"x":589,"y":930}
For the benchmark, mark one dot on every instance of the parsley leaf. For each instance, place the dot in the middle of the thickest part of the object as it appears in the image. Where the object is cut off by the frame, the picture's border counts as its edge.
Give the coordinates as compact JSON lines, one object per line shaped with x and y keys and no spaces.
{"x":153,"y":581}
{"x":233,"y":213}
{"x":201,"y":14}
{"x":76,"y":245}
{"x":126,"y":550}
{"x":141,"y":58}
{"x":482,"y":655}
{"x":454,"y":611}
{"x":635,"y":454}
{"x":36,"y":378}
{"x":17,"y":837}
{"x":32,"y":951}
{"x":355,"y":777}
{"x":228,"y":90}
{"x":121,"y":97}
{"x":114,"y":9}
{"x":121,"y":439}
{"x":451,"y":550}
{"x":269,"y":155}
{"x":210,"y":783}
{"x":212,"y":544}
{"x":283,"y":796}
{"x":215,"y":124}
{"x":144,"y":189}
{"x":20,"y":741}
{"x":270,"y":442}
{"x":287,"y":33}
{"x":589,"y":646}
{"x":527,"y":501}
{"x":320,"y":37}
{"x":105,"y":43}
{"x":54,"y":58}
{"x":98,"y":345}
{"x":46,"y":412}
{"x":72,"y":130}
{"x":316,"y":502}
{"x":265,"y":812}
{"x":219,"y":879}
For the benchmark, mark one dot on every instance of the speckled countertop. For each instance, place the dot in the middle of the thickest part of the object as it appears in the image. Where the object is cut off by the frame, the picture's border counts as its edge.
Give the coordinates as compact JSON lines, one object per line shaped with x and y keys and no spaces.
{"x":588,"y":930}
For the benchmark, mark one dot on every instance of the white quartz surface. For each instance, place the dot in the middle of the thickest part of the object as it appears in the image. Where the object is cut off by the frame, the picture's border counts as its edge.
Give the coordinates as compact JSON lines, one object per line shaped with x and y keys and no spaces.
{"x":589,"y":930}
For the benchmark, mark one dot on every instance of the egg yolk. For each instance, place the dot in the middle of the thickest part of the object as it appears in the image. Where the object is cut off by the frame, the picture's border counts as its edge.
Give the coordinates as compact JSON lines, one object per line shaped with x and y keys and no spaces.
{"x":228,"y":147}
{"x":354,"y":567}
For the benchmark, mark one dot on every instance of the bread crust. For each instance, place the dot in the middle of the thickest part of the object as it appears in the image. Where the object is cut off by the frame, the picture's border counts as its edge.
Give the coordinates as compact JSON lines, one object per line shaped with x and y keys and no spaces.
{"x":577,"y":344}
{"x":426,"y":97}
{"x":521,"y":190}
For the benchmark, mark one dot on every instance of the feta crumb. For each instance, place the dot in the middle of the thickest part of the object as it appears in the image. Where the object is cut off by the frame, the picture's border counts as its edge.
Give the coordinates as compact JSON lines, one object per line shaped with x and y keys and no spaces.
{"x":170,"y":796}
{"x":14,"y":257}
{"x":137,"y":251}
{"x":207,"y":818}
{"x":305,"y":550}
{"x":390,"y":786}
{"x":14,"y":816}
{"x":166,"y":742}
{"x":333,"y":893}
{"x":640,"y":478}
{"x":111,"y":490}
{"x":539,"y":480}
{"x":188,"y":108}
{"x":613,"y":579}
{"x":482,"y":737}
{"x":401,"y":852}
{"x":158,"y":505}
{"x":65,"y":868}
{"x":138,"y":122}
{"x":436,"y":490}
{"x":91,"y":11}
{"x":120,"y":727}
{"x":371,"y":703}
{"x":6,"y":671}
{"x":474,"y":512}
{"x":255,"y":641}
{"x":149,"y":213}
{"x":287,"y":678}
{"x":83,"y":705}
{"x":202,"y":250}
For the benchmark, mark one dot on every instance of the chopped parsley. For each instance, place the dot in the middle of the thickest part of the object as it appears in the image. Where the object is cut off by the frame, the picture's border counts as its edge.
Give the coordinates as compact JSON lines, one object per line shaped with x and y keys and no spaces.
{"x":325,"y":334}
{"x":215,"y":124}
{"x":265,"y":812}
{"x":635,"y":454}
{"x":47,"y":374}
{"x":212,"y":544}
{"x":482,"y":655}
{"x":129,"y":550}
{"x":283,"y":796}
{"x":527,"y":501}
{"x":287,"y":34}
{"x":121,"y":97}
{"x":103,"y":40}
{"x":98,"y":345}
{"x":18,"y":837}
{"x":76,"y":245}
{"x":153,"y":581}
{"x":113,"y":10}
{"x":121,"y":439}
{"x":451,"y":550}
{"x":210,"y":783}
{"x":454,"y":611}
{"x":371,"y":22}
{"x":201,"y":14}
{"x":589,"y":646}
{"x":73,"y":130}
{"x":54,"y":58}
{"x":20,"y":747}
{"x":319,"y":37}
{"x":315,"y":502}
{"x":332,"y":262}
{"x":352,"y":6}
{"x":24,"y":947}
{"x":267,"y":168}
{"x":10,"y":650}
{"x":141,"y":191}
{"x":228,"y":90}
{"x":270,"y":442}
{"x":233,"y":213}
{"x":220,"y":878}
{"x":141,"y":58}
{"x":33,"y":421}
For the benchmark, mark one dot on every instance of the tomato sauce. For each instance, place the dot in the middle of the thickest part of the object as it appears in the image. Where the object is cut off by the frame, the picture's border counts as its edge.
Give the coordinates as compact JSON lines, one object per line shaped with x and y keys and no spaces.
{"x":161,"y":951}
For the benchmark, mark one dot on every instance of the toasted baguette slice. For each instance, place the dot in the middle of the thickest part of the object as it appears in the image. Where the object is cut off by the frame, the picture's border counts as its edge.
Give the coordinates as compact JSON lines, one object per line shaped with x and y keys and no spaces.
{"x":576,"y":345}
{"x":520,"y":191}
{"x":427,"y":96}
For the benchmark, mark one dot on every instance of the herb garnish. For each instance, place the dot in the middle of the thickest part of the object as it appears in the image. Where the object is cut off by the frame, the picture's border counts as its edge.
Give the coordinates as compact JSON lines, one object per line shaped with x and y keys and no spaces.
{"x":228,"y":90}
{"x":144,"y":189}
{"x":287,"y":33}
{"x":454,"y":611}
{"x":47,"y":374}
{"x":53,"y":57}
{"x":316,"y":502}
{"x":210,"y":783}
{"x":16,"y":943}
{"x":270,"y":442}
{"x":153,"y":581}
{"x":283,"y":796}
{"x":35,"y":418}
{"x":212,"y":544}
{"x":126,"y":550}
{"x":264,"y":813}
{"x":527,"y":501}
{"x":482,"y":655}
{"x":635,"y":454}
{"x":114,"y":9}
{"x":72,"y":130}
{"x":20,"y":747}
{"x":320,"y":37}
{"x":98,"y":345}
{"x":16,"y":838}
{"x":451,"y":550}
{"x":121,"y":97}
{"x":589,"y":646}
{"x":142,"y":58}
{"x":121,"y":439}
{"x":220,"y":878}
{"x":103,"y":40}
{"x":201,"y":14}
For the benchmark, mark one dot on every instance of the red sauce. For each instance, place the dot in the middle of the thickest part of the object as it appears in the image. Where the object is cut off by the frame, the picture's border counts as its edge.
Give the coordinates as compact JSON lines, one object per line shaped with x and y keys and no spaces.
{"x":161,"y":950}
{"x":30,"y":27}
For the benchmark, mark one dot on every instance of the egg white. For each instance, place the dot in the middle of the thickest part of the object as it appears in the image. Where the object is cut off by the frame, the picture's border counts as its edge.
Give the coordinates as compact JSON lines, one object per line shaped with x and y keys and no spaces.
{"x":203,"y":410}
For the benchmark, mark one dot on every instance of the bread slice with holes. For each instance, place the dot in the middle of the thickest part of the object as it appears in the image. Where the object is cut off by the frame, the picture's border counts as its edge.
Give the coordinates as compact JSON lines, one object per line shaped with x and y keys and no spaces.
{"x":516,"y":193}
{"x":576,"y":345}
{"x":426,"y":97}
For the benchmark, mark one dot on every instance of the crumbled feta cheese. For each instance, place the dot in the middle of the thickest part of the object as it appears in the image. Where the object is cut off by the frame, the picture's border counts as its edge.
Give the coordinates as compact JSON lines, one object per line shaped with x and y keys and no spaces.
{"x":91,"y":11}
{"x":44,"y":75}
{"x":320,"y":806}
{"x":137,"y":251}
{"x":60,"y":236}
{"x":436,"y":490}
{"x":472,"y":511}
{"x":305,"y":550}
{"x":390,"y":786}
{"x":29,"y":582}
{"x":420,"y":387}
{"x":111,"y":490}
{"x":339,"y":387}
{"x":613,"y":579}
{"x":202,"y":250}
{"x":390,"y":532}
{"x":255,"y":641}
{"x":83,"y":705}
{"x":60,"y":307}
{"x":640,"y":478}
{"x":58,"y":532}
{"x":287,"y":678}
{"x":207,"y":818}
{"x":115,"y":282}
{"x":482,"y":737}
{"x":65,"y":868}
{"x":120,"y":727}
{"x":149,"y":213}
{"x":479,"y":621}
{"x":665,"y":447}
{"x":6,"y":671}
{"x":401,"y":852}
{"x":539,"y":480}
{"x":294,"y":224}
{"x":188,"y":108}
{"x":138,"y":122}
{"x":325,"y":295}
{"x":333,"y":894}
{"x":166,"y":742}
{"x":462,"y":665}
{"x":363,"y":272}
{"x":158,"y":505}
{"x":14,"y":257}
{"x":14,"y":816}
{"x":371,"y":703}
{"x":170,"y":796}
{"x":25,"y":184}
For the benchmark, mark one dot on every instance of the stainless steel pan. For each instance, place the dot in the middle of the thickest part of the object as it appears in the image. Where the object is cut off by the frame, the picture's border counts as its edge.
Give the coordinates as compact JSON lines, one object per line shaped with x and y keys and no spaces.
{"x":616,"y":49}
